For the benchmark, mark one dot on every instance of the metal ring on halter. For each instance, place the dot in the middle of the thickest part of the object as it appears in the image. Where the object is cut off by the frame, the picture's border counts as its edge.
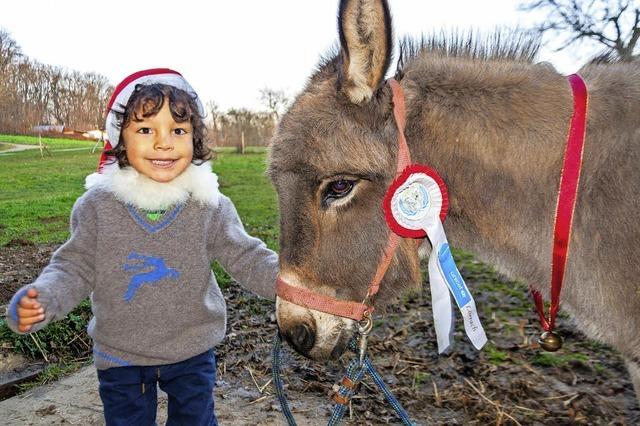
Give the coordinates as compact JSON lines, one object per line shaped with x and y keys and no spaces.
{"x":365,"y":324}
{"x":368,"y":301}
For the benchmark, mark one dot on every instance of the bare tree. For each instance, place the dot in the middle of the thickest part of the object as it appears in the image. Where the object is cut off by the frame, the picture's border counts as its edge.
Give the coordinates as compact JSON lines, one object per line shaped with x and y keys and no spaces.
{"x":238,"y":124}
{"x":615,"y":24}
{"x":99,"y":92}
{"x":9,"y":50}
{"x":78,"y":100}
{"x":32,"y":93}
{"x":274,"y":100}
{"x":214,"y":116}
{"x":214,"y":110}
{"x":10,"y":53}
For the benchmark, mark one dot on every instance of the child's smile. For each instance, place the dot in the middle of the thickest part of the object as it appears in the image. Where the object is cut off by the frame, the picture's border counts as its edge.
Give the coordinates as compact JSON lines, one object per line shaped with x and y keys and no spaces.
{"x":158,"y":146}
{"x":163,"y":164}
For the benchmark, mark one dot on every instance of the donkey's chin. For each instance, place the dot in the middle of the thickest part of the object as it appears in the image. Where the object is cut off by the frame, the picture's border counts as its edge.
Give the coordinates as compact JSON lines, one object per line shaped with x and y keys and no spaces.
{"x":315,"y":335}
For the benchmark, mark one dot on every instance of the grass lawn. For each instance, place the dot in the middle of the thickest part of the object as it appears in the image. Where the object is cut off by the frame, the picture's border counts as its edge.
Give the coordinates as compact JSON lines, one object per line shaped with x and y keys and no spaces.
{"x":243,"y":179}
{"x":36,"y":194}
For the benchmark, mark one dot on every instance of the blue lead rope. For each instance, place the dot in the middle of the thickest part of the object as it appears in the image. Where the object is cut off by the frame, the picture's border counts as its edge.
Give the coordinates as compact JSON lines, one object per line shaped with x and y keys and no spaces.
{"x":277,"y":380}
{"x":354,"y":374}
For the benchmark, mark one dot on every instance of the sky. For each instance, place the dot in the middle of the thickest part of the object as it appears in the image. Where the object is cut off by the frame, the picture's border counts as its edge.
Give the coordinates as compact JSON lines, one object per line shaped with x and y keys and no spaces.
{"x":228,"y":49}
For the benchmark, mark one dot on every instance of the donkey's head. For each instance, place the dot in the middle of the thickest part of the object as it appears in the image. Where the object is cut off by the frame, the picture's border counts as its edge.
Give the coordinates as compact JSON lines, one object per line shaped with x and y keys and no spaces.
{"x":331,"y":161}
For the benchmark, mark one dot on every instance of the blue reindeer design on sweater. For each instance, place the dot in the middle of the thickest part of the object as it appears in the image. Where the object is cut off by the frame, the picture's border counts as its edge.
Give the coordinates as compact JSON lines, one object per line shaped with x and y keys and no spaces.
{"x":158,"y":272}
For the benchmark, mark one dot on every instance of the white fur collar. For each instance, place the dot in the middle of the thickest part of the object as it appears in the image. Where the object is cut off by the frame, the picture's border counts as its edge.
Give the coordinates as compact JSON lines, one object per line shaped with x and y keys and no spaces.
{"x":134,"y":188}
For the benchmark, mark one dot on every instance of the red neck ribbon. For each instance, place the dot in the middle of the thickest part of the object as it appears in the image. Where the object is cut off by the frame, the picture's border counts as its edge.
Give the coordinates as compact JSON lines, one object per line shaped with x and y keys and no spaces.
{"x":569,"y":180}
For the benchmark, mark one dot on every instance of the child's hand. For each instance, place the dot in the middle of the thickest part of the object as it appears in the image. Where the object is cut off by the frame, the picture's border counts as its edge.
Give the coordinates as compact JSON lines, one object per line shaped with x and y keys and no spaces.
{"x":30,"y":311}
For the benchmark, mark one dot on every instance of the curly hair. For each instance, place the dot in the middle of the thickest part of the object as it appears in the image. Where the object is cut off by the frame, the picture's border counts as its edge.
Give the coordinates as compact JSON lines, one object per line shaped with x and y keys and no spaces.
{"x":149,"y":99}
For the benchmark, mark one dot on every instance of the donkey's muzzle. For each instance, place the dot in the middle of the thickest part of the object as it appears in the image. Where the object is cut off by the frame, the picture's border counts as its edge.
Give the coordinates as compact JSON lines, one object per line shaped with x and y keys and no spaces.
{"x":301,"y":337}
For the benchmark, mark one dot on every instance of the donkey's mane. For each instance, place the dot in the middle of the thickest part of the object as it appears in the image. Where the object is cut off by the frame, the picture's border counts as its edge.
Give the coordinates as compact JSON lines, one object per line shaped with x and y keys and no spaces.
{"x":510,"y":45}
{"x":329,"y":61}
{"x":606,"y":57}
{"x":501,"y":44}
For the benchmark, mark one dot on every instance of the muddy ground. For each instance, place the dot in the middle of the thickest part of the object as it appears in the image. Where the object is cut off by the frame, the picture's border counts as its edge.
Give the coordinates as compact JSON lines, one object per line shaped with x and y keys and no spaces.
{"x":509,"y":382}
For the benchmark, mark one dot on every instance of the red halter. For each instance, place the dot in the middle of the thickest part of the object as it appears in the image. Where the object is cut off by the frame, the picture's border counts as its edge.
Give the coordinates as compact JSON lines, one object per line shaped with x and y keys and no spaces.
{"x":348,"y":309}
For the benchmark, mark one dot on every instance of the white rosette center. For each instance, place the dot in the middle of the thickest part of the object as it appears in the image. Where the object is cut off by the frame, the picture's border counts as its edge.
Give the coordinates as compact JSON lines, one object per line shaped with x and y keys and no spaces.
{"x":417,"y":203}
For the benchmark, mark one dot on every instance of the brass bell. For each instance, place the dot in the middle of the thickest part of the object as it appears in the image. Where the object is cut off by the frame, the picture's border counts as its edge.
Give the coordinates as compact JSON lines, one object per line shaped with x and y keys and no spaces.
{"x":550,"y":341}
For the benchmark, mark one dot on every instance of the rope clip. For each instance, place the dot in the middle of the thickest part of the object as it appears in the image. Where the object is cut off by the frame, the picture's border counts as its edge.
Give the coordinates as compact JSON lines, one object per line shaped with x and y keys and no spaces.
{"x":364,"y":328}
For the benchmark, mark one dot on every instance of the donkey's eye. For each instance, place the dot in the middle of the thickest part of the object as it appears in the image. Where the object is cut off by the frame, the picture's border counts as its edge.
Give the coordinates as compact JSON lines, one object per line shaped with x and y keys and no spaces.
{"x":336,"y":190}
{"x":340,"y":187}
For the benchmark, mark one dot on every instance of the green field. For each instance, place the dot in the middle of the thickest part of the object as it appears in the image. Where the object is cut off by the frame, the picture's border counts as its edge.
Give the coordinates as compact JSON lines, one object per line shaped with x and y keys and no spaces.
{"x":36,"y":193}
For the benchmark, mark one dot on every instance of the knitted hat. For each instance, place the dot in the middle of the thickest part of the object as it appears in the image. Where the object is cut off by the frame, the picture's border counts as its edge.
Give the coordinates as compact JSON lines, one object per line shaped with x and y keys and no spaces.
{"x":123,"y":92}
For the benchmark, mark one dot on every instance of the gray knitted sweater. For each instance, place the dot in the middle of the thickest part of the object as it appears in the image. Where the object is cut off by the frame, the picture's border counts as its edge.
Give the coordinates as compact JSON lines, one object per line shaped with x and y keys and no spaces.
{"x":154,"y":297}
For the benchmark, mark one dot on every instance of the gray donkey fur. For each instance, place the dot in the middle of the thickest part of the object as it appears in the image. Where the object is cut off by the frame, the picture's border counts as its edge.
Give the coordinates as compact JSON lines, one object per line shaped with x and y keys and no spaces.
{"x":494,"y":126}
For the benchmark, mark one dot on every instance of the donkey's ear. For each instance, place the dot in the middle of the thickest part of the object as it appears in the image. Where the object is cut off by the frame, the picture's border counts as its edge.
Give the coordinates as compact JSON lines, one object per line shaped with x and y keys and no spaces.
{"x":365,"y":41}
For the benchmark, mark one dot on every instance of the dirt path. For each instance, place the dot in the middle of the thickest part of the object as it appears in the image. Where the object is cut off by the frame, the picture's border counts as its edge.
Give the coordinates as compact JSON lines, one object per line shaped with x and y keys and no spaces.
{"x":75,"y":400}
{"x":16,"y":147}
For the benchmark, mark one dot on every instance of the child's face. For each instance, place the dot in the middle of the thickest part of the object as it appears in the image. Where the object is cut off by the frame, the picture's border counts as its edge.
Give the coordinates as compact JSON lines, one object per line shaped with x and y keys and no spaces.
{"x":159,"y":147}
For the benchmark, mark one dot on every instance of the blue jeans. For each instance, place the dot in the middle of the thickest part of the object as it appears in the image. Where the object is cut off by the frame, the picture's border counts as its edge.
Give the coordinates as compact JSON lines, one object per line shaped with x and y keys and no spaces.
{"x":129,"y":394}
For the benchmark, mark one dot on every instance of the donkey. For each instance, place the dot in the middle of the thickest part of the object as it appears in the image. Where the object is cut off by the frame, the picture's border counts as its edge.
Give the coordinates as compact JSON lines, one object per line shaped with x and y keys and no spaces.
{"x":493,"y":124}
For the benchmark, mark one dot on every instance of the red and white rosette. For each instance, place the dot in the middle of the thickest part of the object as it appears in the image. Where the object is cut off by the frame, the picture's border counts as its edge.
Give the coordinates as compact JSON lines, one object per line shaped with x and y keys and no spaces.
{"x":415,"y":206}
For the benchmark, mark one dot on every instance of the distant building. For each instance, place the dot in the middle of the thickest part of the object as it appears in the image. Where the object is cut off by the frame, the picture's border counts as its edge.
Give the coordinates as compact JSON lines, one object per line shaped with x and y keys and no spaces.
{"x":95,"y":134}
{"x":59,"y":130}
{"x":47,"y":128}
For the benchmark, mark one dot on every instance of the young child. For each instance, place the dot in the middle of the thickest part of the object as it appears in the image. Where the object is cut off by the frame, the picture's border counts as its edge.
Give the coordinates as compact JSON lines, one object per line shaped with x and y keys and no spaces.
{"x":143,"y":237}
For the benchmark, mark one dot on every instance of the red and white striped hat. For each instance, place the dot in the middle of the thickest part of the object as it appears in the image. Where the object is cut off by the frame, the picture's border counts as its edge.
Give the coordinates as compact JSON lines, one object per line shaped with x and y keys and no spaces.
{"x":123,"y":92}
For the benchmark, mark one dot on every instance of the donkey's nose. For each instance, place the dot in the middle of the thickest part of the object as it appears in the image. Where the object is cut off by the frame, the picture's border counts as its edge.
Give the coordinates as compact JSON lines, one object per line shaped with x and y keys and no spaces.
{"x":301,"y":337}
